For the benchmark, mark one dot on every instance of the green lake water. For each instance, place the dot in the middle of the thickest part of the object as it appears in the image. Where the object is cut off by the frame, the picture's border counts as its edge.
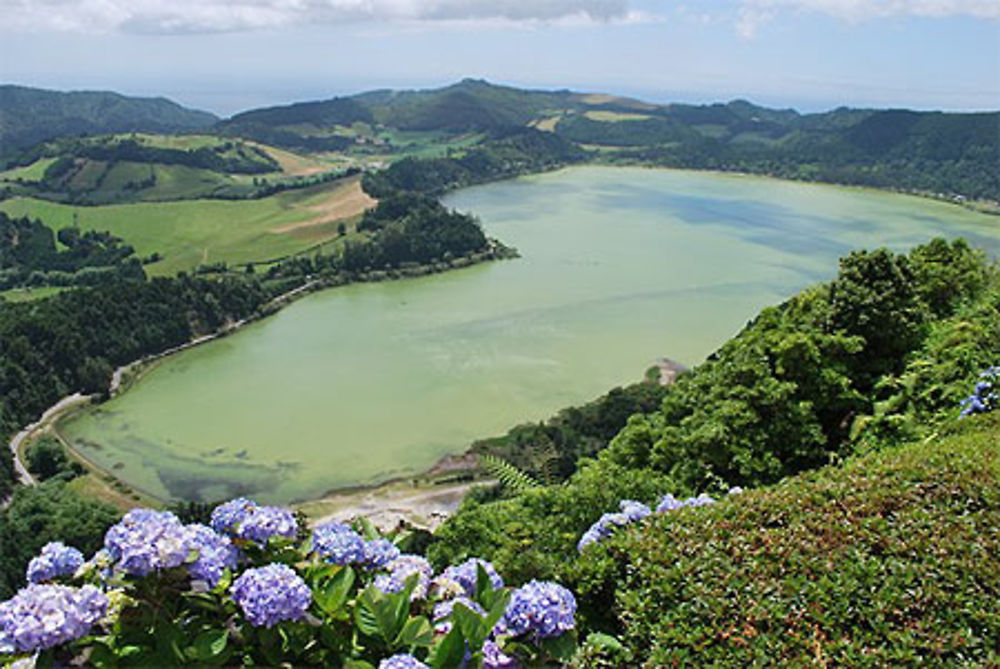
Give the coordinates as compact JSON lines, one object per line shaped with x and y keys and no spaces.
{"x":363,"y":383}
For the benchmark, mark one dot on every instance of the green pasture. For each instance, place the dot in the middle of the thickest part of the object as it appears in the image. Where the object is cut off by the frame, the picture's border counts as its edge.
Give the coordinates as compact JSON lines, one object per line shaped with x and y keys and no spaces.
{"x":612,"y":117}
{"x":33,"y":172}
{"x":193,"y":232}
{"x":29,"y":294}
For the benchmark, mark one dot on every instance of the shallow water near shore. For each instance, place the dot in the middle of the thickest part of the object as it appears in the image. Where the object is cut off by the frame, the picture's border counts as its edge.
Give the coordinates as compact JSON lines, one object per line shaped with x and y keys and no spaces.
{"x":619,"y":266}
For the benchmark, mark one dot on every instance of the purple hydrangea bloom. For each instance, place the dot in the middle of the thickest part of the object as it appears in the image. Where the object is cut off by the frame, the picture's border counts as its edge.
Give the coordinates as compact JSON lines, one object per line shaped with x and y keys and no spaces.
{"x":602,"y":529}
{"x":264,"y":522}
{"x":401,"y":661}
{"x":981,"y":400}
{"x":669,"y":503}
{"x":216,"y":553}
{"x":271,"y":594}
{"x":461,"y":579}
{"x":401,"y":569}
{"x":634,"y":510}
{"x":494,"y":658}
{"x":145,"y":541}
{"x":442,"y":612}
{"x":700,"y":500}
{"x":541,"y":609}
{"x":56,"y":559}
{"x":43,"y":616}
{"x":226,"y":518}
{"x":379,"y":553}
{"x":338,"y":543}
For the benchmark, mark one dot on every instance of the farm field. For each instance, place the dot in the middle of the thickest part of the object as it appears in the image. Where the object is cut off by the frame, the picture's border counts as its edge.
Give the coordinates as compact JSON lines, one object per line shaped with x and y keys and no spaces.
{"x":196,"y":232}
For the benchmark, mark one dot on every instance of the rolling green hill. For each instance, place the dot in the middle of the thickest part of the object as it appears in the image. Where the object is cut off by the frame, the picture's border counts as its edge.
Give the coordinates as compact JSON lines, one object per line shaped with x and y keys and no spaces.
{"x":32,"y":115}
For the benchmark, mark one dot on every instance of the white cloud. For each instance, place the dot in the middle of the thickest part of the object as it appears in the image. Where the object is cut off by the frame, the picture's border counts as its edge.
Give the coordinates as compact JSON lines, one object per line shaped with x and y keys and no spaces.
{"x":753,"y":14}
{"x":185,"y":16}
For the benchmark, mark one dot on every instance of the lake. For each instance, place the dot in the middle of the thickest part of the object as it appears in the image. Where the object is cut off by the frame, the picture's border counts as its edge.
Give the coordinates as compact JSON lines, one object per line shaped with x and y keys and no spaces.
{"x":367,"y":382}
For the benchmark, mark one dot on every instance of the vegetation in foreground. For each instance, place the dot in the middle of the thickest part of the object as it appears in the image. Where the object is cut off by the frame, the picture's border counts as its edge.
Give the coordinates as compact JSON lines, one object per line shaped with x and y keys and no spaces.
{"x":889,"y":559}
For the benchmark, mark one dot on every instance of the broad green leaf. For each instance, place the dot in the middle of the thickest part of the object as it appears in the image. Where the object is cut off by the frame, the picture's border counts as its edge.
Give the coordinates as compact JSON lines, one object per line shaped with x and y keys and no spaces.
{"x":499,"y":607}
{"x":561,"y":648}
{"x":416,"y":632}
{"x":450,"y":651}
{"x":471,"y":625}
{"x":332,"y":596}
{"x":209,"y":645}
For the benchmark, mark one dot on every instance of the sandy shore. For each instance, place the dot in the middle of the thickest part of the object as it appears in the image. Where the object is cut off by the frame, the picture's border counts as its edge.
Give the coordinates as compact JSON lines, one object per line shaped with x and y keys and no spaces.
{"x":423,"y":505}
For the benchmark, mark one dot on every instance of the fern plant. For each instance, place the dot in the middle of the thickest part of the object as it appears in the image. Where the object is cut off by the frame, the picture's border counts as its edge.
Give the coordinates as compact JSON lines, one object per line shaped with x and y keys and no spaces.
{"x":508,"y":475}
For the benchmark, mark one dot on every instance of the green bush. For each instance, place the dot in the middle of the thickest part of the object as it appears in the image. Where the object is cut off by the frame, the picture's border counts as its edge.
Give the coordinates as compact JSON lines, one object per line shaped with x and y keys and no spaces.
{"x":893,"y":558}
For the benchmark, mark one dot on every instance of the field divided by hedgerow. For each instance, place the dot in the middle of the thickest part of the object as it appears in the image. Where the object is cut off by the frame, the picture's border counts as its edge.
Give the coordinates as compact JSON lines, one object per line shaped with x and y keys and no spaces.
{"x":194,"y":232}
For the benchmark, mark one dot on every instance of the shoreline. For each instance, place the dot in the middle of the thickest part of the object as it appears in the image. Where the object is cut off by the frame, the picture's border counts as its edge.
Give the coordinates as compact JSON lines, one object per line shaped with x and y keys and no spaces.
{"x":125,"y":375}
{"x":986,"y":207}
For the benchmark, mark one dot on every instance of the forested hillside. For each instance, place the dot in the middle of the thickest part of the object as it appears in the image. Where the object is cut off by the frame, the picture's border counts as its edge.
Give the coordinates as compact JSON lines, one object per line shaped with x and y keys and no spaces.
{"x":32,"y":115}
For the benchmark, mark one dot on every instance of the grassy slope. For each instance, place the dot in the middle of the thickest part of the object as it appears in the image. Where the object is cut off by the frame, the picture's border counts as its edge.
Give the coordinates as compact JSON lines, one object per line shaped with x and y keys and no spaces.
{"x":188,"y":233}
{"x":892,"y":558}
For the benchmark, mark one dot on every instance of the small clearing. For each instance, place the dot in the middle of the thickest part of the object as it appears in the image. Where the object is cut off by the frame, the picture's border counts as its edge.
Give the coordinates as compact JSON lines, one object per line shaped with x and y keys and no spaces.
{"x":345,"y":202}
{"x":292,"y":163}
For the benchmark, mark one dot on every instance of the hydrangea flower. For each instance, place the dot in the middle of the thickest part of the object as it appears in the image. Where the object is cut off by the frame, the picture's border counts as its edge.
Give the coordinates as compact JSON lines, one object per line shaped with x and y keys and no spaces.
{"x":271,"y":594}
{"x":442,"y":612}
{"x":634,"y":510}
{"x":379,"y":553}
{"x":671,"y":503}
{"x":981,"y":400}
{"x":226,"y":518}
{"x":401,"y":569}
{"x":401,"y":661}
{"x":494,"y":658}
{"x":541,"y":609}
{"x":216,"y":553}
{"x":264,"y":522}
{"x":43,"y":616}
{"x":461,"y":579}
{"x":56,"y":559}
{"x":145,"y":541}
{"x":338,"y":543}
{"x":602,"y":529}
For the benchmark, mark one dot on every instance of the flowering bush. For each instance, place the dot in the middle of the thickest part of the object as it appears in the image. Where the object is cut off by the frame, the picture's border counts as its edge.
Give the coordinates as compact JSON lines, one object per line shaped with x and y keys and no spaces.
{"x":983,"y":398}
{"x":55,"y":560}
{"x":245,"y":591}
{"x":632,"y":511}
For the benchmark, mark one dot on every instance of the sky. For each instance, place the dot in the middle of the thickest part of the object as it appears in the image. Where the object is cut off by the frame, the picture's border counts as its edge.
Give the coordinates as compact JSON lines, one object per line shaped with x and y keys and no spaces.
{"x":230,"y":55}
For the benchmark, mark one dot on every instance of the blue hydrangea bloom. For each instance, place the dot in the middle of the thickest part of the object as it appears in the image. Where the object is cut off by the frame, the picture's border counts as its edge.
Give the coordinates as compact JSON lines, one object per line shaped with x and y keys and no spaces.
{"x":401,"y":661}
{"x":401,"y":569}
{"x":634,"y":510}
{"x":668,"y":503}
{"x":56,"y":559}
{"x":461,"y":579}
{"x":442,"y":612}
{"x":271,"y":594}
{"x":226,"y":518}
{"x":42,"y":616}
{"x":145,"y":541}
{"x":541,"y":610}
{"x":338,"y":543}
{"x":494,"y":658}
{"x":216,"y":553}
{"x":264,"y":522}
{"x":671,"y":503}
{"x":379,"y":553}
{"x":602,"y":529}
{"x":982,"y":400}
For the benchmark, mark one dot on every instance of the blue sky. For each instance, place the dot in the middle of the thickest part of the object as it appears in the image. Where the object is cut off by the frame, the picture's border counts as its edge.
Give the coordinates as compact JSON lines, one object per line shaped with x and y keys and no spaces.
{"x":228,"y":55}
